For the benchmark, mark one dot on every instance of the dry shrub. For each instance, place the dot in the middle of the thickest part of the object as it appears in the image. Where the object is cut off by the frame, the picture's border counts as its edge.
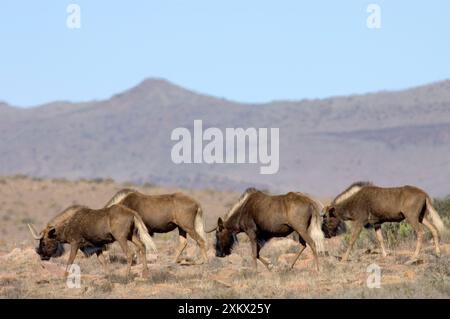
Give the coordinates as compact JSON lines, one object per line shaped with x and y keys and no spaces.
{"x":161,"y":276}
{"x":105,"y":287}
{"x":121,"y":279}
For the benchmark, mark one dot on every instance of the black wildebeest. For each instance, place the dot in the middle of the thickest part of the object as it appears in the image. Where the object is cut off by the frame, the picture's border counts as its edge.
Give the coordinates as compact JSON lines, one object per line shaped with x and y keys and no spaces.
{"x":262,"y":217}
{"x":164,"y":213}
{"x":367,"y":205}
{"x":91,"y":230}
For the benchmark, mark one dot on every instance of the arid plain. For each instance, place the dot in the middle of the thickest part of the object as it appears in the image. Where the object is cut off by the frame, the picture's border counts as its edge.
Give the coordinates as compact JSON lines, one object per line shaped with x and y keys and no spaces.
{"x":24,"y":275}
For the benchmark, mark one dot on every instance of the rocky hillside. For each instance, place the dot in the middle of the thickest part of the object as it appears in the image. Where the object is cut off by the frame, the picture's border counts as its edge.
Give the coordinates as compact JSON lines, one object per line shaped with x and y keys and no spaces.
{"x":390,"y":138}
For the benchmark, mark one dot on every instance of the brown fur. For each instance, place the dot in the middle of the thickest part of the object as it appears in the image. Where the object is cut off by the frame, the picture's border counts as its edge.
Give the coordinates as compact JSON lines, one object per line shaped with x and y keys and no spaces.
{"x":90,"y":230}
{"x":164,"y":213}
{"x":371,"y":206}
{"x":263,"y":217}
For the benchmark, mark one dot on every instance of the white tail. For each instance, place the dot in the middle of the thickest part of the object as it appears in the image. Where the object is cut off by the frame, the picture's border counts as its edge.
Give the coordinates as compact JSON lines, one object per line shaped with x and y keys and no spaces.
{"x":119,"y":197}
{"x":143,"y":234}
{"x":315,"y":230}
{"x":199,"y":224}
{"x":434,"y":216}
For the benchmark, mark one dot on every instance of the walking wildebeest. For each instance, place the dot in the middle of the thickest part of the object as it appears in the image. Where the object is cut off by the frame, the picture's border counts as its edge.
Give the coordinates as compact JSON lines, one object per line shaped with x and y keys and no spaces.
{"x":164,"y":213}
{"x":263,"y":217}
{"x":367,"y":205}
{"x":91,"y":230}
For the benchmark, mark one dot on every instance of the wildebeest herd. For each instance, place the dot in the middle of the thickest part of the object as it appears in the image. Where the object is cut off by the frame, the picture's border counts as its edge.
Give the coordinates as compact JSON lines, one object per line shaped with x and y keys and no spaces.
{"x":133,"y":216}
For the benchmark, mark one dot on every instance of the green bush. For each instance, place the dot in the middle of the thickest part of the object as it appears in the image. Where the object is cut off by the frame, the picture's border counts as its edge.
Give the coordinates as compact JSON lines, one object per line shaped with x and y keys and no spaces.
{"x":404,"y":230}
{"x":395,"y":233}
{"x":365,"y":239}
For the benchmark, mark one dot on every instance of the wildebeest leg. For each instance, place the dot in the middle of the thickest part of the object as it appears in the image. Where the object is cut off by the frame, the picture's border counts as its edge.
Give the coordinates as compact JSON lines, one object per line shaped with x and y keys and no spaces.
{"x":303,"y":233}
{"x":141,"y":250}
{"x":182,"y":244}
{"x":201,"y":243}
{"x":357,"y":227}
{"x":414,"y":222}
{"x":106,"y":254}
{"x":254,"y":245}
{"x":303,"y":243}
{"x":379,"y":234}
{"x":73,"y":253}
{"x":124,"y":245}
{"x":103,"y":260}
{"x":435,"y":234}
{"x":256,"y":248}
{"x":265,"y":262}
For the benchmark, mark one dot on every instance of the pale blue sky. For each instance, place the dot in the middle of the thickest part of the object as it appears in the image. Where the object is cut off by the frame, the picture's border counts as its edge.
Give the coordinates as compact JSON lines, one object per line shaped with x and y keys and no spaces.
{"x":250,"y":51}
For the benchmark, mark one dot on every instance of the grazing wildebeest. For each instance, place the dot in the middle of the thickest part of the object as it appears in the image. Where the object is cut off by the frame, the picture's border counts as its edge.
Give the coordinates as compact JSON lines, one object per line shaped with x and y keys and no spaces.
{"x":262,"y":217}
{"x":90,"y":230}
{"x":367,"y":205}
{"x":164,"y":213}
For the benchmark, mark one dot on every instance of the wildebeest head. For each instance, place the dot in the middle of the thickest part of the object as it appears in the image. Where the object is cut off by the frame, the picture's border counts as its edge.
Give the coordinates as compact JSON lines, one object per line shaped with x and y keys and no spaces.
{"x":225,"y":239}
{"x":48,"y":246}
{"x":332,"y":225}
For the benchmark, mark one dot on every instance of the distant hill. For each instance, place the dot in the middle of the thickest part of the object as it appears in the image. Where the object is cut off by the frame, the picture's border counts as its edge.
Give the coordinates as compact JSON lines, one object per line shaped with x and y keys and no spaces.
{"x":391,"y":138}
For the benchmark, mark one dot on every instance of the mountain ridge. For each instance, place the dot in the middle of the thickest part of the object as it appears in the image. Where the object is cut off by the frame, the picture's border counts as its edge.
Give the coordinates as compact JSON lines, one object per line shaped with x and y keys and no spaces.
{"x":158,"y":82}
{"x":325,"y":144}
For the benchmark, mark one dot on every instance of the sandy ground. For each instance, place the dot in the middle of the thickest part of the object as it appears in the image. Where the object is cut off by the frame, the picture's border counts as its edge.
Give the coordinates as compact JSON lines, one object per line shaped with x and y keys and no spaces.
{"x":24,"y":275}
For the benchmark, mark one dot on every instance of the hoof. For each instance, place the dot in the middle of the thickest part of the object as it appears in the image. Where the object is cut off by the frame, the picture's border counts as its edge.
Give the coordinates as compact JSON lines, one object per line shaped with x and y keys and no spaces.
{"x":415,"y":261}
{"x":186,"y":262}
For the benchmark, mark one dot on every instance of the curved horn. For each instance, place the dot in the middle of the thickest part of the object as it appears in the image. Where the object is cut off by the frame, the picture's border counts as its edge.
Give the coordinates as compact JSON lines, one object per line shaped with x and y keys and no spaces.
{"x":34,"y":232}
{"x":211,"y":230}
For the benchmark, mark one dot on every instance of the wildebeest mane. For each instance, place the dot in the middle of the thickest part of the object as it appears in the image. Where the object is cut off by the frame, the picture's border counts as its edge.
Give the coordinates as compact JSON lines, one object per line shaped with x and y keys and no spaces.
{"x":348,"y":192}
{"x":241,"y":201}
{"x":65,"y":215}
{"x":119,"y":196}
